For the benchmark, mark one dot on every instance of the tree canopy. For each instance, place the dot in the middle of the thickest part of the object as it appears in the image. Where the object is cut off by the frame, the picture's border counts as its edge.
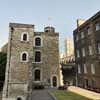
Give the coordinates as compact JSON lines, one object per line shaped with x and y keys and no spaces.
{"x":3,"y":61}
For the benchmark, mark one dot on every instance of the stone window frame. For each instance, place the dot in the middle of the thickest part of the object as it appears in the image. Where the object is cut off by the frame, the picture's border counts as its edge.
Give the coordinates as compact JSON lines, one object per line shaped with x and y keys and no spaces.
{"x":23,"y":35}
{"x":41,"y":41}
{"x":26,"y":56}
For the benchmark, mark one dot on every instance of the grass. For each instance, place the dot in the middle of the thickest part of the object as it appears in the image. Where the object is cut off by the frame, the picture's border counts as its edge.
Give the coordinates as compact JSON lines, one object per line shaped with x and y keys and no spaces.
{"x":66,"y":95}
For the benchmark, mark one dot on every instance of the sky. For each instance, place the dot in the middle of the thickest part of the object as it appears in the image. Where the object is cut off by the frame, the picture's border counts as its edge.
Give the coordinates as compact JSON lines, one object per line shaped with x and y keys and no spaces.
{"x":61,"y":14}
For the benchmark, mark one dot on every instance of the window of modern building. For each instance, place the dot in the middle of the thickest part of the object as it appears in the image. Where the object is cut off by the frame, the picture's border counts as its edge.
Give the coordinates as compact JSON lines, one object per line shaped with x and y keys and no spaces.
{"x":79,"y":69}
{"x":83,"y":52}
{"x":78,"y":53}
{"x":77,"y":37}
{"x":90,"y":50}
{"x":37,"y":56}
{"x":93,"y":83}
{"x":92,"y":69}
{"x":97,"y":26}
{"x":24,"y":36}
{"x":24,"y":56}
{"x":85,"y":68}
{"x":37,"y":41}
{"x":89,"y":31}
{"x":98,"y":48}
{"x":82,"y":35}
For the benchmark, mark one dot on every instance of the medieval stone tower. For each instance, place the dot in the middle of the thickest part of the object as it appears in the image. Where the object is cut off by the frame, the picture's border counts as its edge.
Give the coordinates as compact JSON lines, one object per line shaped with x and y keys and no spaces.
{"x":33,"y":59}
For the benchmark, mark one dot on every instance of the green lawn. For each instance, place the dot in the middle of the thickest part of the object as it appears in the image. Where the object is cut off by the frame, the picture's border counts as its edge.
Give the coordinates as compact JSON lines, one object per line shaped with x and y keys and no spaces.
{"x":65,"y":95}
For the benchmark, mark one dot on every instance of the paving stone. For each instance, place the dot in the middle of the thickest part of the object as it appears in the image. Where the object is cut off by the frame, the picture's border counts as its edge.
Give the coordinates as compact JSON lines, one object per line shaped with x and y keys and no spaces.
{"x":41,"y":95}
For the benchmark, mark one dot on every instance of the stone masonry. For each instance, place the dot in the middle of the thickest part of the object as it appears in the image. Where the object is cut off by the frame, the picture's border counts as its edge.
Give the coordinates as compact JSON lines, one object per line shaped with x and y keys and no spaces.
{"x":20,"y":75}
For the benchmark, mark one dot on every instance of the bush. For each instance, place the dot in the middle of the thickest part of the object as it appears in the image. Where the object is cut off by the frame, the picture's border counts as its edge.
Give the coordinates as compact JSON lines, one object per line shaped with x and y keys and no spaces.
{"x":64,"y":87}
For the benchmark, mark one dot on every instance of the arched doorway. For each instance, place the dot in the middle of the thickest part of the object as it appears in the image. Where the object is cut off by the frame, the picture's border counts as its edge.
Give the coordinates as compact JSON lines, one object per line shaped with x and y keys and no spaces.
{"x":37,"y":75}
{"x":54,"y":81}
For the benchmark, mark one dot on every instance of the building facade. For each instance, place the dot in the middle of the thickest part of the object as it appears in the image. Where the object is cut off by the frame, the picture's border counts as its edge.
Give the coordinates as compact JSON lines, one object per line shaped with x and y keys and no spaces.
{"x":69,"y":47}
{"x":33,"y":59}
{"x":68,"y":71}
{"x":4,"y":48}
{"x":87,"y":52}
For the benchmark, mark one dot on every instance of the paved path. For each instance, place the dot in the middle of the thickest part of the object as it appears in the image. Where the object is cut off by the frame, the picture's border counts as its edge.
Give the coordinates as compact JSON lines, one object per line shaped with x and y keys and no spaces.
{"x":41,"y":95}
{"x":84,"y":92}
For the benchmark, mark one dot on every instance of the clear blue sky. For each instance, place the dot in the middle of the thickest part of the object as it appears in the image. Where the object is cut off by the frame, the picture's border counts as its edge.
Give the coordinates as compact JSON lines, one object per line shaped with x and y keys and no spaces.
{"x":63,"y":14}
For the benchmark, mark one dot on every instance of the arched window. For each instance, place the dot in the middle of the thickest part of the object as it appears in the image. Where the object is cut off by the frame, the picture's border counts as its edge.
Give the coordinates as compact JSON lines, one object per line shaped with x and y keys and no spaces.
{"x":37,"y":41}
{"x":24,"y":56}
{"x":19,"y":98}
{"x":24,"y":36}
{"x":37,"y":56}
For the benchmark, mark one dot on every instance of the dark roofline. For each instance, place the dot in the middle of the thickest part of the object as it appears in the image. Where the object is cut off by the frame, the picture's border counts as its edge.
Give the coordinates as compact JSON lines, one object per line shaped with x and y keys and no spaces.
{"x":20,"y":25}
{"x":87,"y":21}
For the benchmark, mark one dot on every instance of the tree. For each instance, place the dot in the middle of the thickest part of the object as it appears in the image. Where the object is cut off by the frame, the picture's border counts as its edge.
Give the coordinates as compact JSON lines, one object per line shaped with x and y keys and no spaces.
{"x":3,"y":61}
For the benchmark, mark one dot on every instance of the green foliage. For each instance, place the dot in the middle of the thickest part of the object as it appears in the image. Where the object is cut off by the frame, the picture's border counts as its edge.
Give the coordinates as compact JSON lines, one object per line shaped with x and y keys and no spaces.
{"x":3,"y":61}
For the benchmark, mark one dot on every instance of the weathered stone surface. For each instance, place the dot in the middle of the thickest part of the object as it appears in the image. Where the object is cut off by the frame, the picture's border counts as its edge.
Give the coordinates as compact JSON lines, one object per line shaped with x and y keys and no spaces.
{"x":20,"y":75}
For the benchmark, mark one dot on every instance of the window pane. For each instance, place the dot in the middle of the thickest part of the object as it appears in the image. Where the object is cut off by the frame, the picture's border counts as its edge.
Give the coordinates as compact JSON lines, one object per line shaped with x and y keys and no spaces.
{"x":85,"y":68}
{"x":83,"y":52}
{"x":78,"y":54}
{"x":37,"y":41}
{"x":25,"y":37}
{"x":79,"y":69}
{"x":89,"y":31}
{"x":90,"y":50}
{"x":92,"y":69}
{"x":97,"y":26}
{"x":37,"y":56}
{"x":82,"y":35}
{"x":24,"y":57}
{"x":37,"y":75}
{"x":98,"y":48}
{"x":77,"y":37}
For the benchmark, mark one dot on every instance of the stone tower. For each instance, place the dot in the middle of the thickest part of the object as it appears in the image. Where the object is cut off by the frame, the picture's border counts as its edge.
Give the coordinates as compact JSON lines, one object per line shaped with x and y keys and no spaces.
{"x":33,"y":59}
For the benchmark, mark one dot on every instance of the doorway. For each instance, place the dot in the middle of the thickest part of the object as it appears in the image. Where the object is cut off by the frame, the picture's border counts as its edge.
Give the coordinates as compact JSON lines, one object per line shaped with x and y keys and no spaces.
{"x":37,"y":75}
{"x":54,"y":80}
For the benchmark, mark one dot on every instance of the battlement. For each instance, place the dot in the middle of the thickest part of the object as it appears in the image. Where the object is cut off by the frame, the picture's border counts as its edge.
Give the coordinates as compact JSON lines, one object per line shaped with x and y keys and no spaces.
{"x":20,"y":25}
